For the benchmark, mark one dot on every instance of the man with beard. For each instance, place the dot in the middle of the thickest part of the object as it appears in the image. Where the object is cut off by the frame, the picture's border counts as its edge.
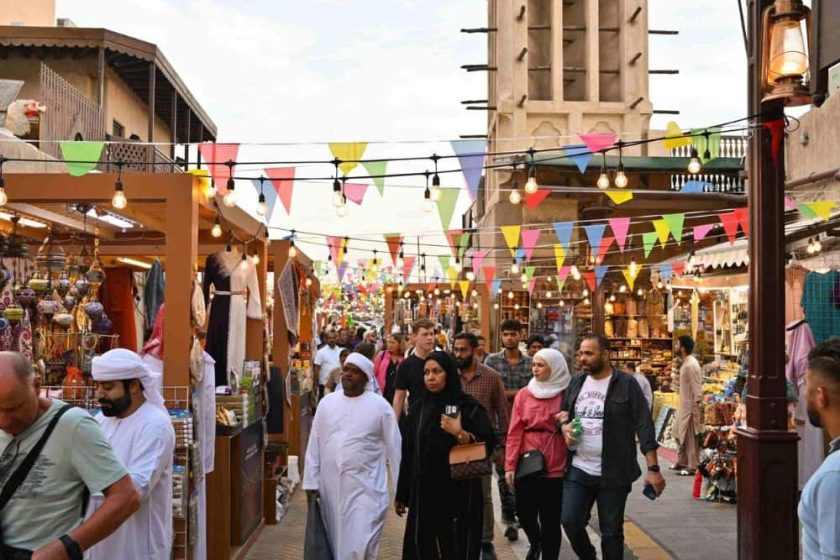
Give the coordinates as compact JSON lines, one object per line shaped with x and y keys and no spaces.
{"x":352,"y":435}
{"x":604,"y":465}
{"x":53,"y":453}
{"x":484,"y":385}
{"x":139,"y":428}
{"x":819,"y":507}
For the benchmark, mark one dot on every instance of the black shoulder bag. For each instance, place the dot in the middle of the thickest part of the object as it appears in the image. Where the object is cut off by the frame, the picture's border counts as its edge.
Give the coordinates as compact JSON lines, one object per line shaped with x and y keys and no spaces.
{"x":17,"y":478}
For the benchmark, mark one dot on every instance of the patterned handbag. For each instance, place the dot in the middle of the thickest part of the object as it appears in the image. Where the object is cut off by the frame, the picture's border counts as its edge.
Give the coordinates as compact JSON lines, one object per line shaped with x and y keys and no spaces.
{"x":469,"y":461}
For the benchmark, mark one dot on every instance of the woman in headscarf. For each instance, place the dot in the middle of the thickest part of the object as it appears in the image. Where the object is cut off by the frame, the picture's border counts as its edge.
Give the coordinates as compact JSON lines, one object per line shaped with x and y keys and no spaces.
{"x":444,"y":516}
{"x":533,"y":427}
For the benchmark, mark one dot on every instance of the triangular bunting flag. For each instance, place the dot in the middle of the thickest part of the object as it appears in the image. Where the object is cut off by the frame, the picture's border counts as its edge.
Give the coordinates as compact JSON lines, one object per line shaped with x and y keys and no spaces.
{"x":216,"y":154}
{"x":580,"y":154}
{"x":776,"y":128}
{"x":446,"y":205}
{"x":393,"y":240}
{"x":701,"y":231}
{"x":675,"y":224}
{"x":489,"y":274}
{"x":678,"y":268}
{"x":270,"y":192}
{"x":377,"y":170}
{"x":531,"y":285}
{"x":341,"y":271}
{"x":511,"y":235}
{"x":662,"y":231}
{"x":742,"y":216}
{"x":597,"y":141}
{"x":693,"y":187}
{"x":408,"y":267}
{"x":729,"y":221}
{"x":453,"y":236}
{"x":444,"y":261}
{"x":564,"y":273}
{"x":713,"y":145}
{"x":355,"y":192}
{"x":81,"y":157}
{"x":600,"y":272}
{"x":648,"y":240}
{"x":595,"y":232}
{"x":477,"y":260}
{"x":561,"y":283}
{"x":821,"y":209}
{"x":564,"y":233}
{"x":559,"y":256}
{"x":790,"y":204}
{"x":283,"y":181}
{"x":620,"y":227}
{"x":463,"y":243}
{"x":674,"y":137}
{"x":465,"y":288}
{"x":534,"y":200}
{"x":631,"y":280}
{"x":619,"y":197}
{"x":452,"y":273}
{"x":471,"y":155}
{"x":606,"y":243}
{"x":336,"y":249}
{"x":589,"y":276}
{"x":529,"y":271}
{"x":497,"y":285}
{"x":665,"y":272}
{"x":346,"y":152}
{"x":529,"y":241}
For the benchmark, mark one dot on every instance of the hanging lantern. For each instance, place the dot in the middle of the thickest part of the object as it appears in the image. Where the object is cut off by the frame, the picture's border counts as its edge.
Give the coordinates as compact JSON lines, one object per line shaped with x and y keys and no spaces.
{"x":784,"y":63}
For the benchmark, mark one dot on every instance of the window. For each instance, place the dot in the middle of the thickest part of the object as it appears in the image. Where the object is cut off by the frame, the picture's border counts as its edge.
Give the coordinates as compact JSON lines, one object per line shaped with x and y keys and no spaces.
{"x":118,"y":129}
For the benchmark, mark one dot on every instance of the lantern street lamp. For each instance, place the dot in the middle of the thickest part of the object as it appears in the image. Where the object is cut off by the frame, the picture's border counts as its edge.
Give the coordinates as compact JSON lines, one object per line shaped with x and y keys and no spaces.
{"x":784,"y":61}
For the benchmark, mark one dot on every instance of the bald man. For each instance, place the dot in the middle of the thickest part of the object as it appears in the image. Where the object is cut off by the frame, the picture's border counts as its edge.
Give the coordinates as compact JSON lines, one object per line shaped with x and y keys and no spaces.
{"x":43,"y":514}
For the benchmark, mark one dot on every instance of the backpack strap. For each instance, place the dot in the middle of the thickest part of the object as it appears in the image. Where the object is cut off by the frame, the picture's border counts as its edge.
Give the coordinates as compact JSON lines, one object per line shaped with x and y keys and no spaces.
{"x":23,"y":469}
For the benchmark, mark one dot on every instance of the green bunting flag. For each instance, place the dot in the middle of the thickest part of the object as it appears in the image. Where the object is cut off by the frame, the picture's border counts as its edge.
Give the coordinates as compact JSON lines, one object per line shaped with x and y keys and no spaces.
{"x":648,"y":240}
{"x":529,"y":272}
{"x":377,"y":169}
{"x":446,"y":205}
{"x":81,"y":157}
{"x":675,"y":224}
{"x":444,"y":262}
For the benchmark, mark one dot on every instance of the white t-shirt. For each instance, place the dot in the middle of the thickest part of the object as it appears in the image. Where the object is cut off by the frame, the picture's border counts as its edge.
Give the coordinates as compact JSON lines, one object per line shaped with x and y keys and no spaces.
{"x":328,"y":359}
{"x":589,"y":407}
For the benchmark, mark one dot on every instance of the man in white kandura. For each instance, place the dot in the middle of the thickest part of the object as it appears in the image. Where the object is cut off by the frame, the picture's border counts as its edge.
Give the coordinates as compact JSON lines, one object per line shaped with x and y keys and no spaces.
{"x":139,"y":428}
{"x":354,"y":432}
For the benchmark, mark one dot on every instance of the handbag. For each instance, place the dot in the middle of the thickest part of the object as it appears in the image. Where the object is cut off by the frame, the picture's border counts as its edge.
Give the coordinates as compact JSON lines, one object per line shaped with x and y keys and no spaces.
{"x":316,"y":545}
{"x":532,"y":463}
{"x":469,"y":461}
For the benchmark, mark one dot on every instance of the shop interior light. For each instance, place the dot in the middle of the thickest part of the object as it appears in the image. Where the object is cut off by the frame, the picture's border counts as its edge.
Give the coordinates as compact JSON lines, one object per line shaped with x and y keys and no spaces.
{"x":694,"y":165}
{"x":308,"y":281}
{"x":585,"y":292}
{"x":474,"y":293}
{"x":548,"y":294}
{"x":531,"y":186}
{"x":622,"y":288}
{"x":23,"y":221}
{"x":515,"y":196}
{"x":562,"y":303}
{"x":119,"y":201}
{"x":510,"y":294}
{"x":586,"y":301}
{"x":516,"y":306}
{"x":437,"y":291}
{"x":496,"y":305}
{"x":134,"y":262}
{"x":640,"y":292}
{"x":612,"y":297}
{"x":539,"y":305}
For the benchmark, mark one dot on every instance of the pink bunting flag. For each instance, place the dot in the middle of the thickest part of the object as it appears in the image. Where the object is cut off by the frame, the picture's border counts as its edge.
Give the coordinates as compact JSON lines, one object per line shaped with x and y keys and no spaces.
{"x":216,"y":155}
{"x":534,"y":200}
{"x":477,"y":260}
{"x":334,"y":243}
{"x":355,"y":192}
{"x":563,"y":273}
{"x":529,"y":241}
{"x":790,"y":204}
{"x":597,"y":141}
{"x":606,"y":243}
{"x":453,"y":236}
{"x":729,"y":221}
{"x":700,"y":232}
{"x":283,"y":181}
{"x":489,"y":274}
{"x":620,"y":227}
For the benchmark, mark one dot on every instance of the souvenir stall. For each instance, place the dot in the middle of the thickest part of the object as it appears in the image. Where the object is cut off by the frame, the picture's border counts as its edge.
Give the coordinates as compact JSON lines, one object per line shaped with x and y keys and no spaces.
{"x":462,"y":307}
{"x":84,"y":272}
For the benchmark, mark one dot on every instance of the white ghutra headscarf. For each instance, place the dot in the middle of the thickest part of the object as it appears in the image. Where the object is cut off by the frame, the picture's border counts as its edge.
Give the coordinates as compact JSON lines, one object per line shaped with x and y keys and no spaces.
{"x":121,"y":364}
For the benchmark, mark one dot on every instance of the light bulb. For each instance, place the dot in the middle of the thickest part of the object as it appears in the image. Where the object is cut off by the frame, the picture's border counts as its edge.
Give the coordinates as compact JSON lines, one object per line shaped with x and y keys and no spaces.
{"x":612,"y":297}
{"x":337,"y":199}
{"x":694,"y":166}
{"x":575,"y":272}
{"x":510,"y":294}
{"x":562,"y":303}
{"x":634,"y":268}
{"x":217,"y":230}
{"x":585,"y":292}
{"x":817,"y":246}
{"x":211,"y":189}
{"x":229,"y":199}
{"x":531,"y":186}
{"x":457,"y":265}
{"x":119,"y":201}
{"x":622,"y":288}
{"x":255,"y":258}
{"x":523,"y":278}
{"x":261,"y":206}
{"x":474,"y":292}
{"x":659,"y":285}
{"x":292,"y":250}
{"x":539,"y":305}
{"x":620,"y":178}
{"x":495,"y":306}
{"x":603,"y":180}
{"x":514,"y":268}
{"x":428,"y":204}
{"x":516,"y":306}
{"x":243,"y":264}
{"x":471,"y":276}
{"x":437,"y":193}
{"x":586,"y":301}
{"x":548,"y":294}
{"x":515,"y":197}
{"x":341,"y":210}
{"x":810,"y":249}
{"x":308,"y":281}
{"x":640,"y":292}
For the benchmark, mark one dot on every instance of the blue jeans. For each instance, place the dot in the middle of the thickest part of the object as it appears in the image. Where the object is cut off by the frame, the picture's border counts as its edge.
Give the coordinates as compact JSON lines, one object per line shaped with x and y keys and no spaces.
{"x":580,"y":492}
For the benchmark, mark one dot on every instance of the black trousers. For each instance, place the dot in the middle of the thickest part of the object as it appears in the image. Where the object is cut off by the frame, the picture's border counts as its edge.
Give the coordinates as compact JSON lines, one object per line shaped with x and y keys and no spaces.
{"x":581,"y":492}
{"x":539,"y":504}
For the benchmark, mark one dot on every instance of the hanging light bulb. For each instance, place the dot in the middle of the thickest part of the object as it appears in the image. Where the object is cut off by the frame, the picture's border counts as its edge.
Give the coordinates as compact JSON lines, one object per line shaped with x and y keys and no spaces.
{"x":346,"y":249}
{"x":817,"y":245}
{"x":216,"y":231}
{"x":575,"y":272}
{"x":229,"y":199}
{"x":262,"y":209}
{"x":336,"y":196}
{"x":585,"y":292}
{"x":437,"y":291}
{"x":562,"y":303}
{"x":341,"y":210}
{"x":640,"y":292}
{"x":586,"y":301}
{"x":211,"y":189}
{"x":531,"y":186}
{"x":255,"y":258}
{"x":428,"y":203}
{"x":515,"y":196}
{"x":810,"y":249}
{"x":604,"y":178}
{"x":516,"y":306}
{"x":612,"y":297}
{"x":622,"y":288}
{"x":634,"y":268}
{"x":437,"y":192}
{"x":539,"y":305}
{"x":659,"y":285}
{"x":308,"y":282}
{"x":496,"y":305}
{"x":118,"y":201}
{"x":524,"y":278}
{"x":375,"y":264}
{"x":474,"y":293}
{"x":694,"y":165}
{"x":470,"y":275}
{"x":243,"y":262}
{"x":457,"y":264}
{"x":548,"y":294}
{"x":620,"y":177}
{"x":707,"y":154}
{"x":514,"y":267}
{"x":510,"y":294}
{"x":292,"y":249}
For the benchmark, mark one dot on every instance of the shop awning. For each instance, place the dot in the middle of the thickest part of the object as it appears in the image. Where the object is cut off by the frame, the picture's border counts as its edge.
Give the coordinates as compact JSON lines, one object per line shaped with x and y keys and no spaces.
{"x":723,"y":255}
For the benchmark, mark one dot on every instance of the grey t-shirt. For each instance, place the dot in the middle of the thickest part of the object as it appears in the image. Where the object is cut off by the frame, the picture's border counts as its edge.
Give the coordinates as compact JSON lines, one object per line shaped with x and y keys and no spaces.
{"x":49,"y":502}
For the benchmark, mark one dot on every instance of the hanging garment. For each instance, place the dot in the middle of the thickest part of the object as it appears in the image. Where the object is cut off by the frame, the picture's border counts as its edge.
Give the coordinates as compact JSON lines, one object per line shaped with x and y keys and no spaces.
{"x":117,"y":295}
{"x":153,"y":293}
{"x":810,"y":444}
{"x":236,"y":298}
{"x":794,"y":287}
{"x":819,"y":301}
{"x":139,"y":308}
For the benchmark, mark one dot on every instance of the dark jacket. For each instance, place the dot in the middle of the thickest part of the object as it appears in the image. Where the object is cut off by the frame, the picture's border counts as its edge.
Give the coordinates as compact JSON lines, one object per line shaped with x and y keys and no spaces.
{"x":626,"y":415}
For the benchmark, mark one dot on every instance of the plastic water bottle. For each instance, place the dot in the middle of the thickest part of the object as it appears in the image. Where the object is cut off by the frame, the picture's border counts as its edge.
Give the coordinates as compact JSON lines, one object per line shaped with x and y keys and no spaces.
{"x":577,"y":431}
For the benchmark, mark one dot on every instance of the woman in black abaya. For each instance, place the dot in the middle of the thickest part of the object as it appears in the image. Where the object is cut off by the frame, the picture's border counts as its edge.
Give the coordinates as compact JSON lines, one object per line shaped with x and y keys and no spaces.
{"x":444,"y":516}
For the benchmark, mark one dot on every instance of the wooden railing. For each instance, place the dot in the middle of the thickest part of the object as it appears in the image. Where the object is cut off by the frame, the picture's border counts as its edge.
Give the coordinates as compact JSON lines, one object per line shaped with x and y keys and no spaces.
{"x":70,"y":115}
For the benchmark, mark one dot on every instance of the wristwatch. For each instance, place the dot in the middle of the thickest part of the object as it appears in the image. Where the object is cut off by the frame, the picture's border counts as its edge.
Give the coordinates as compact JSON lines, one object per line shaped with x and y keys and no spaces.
{"x":74,"y":551}
{"x":653,"y":468}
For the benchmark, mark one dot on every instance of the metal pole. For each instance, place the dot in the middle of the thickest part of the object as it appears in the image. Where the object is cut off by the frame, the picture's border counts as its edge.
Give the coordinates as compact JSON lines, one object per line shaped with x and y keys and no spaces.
{"x":767,"y":455}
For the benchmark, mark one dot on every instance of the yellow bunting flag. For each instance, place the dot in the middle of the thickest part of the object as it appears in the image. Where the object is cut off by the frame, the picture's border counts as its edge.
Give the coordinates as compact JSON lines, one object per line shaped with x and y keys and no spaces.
{"x":662,"y":231}
{"x":511,"y":235}
{"x":348,"y":151}
{"x":620,"y":197}
{"x":629,"y":277}
{"x":203,"y":176}
{"x":559,"y":255}
{"x":465,"y":287}
{"x":674,"y":137}
{"x":452,"y":272}
{"x":821,"y":209}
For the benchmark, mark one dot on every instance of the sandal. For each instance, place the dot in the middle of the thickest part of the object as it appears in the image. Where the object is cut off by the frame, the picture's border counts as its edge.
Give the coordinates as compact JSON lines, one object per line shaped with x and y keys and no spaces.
{"x":685,"y":472}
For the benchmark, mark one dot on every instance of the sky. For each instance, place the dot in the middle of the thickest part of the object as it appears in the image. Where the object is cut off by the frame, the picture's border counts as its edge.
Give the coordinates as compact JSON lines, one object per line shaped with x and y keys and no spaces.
{"x":317,"y":71}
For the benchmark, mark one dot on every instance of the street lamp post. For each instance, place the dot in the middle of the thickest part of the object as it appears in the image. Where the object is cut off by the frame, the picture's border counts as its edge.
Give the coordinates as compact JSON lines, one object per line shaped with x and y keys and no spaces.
{"x":767,"y":454}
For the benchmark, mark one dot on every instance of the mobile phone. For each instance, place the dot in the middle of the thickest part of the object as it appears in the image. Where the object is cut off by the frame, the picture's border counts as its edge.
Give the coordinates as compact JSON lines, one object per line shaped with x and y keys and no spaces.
{"x":451,"y":410}
{"x":649,"y":492}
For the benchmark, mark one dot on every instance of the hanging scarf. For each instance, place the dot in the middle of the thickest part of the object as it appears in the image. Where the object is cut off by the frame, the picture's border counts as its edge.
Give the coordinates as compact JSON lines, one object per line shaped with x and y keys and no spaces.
{"x":557,"y":381}
{"x":155,"y":344}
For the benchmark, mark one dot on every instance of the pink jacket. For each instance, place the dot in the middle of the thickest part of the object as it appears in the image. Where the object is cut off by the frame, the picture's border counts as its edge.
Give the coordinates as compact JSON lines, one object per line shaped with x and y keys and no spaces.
{"x":532,"y":427}
{"x":380,"y":367}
